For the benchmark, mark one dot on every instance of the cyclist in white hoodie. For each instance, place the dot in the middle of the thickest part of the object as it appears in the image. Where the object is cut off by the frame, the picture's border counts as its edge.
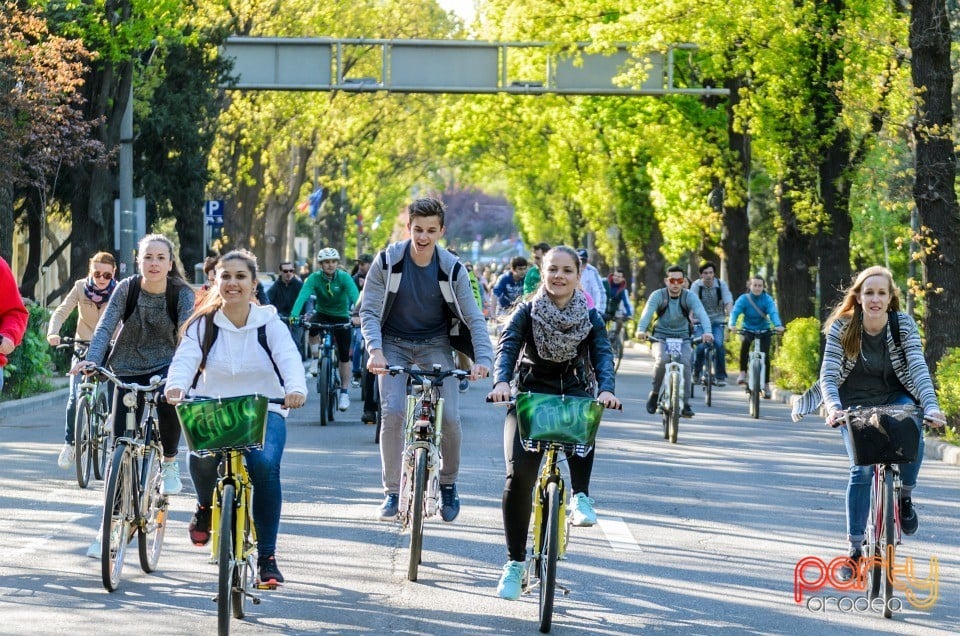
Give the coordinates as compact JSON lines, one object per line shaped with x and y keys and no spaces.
{"x":231,"y":346}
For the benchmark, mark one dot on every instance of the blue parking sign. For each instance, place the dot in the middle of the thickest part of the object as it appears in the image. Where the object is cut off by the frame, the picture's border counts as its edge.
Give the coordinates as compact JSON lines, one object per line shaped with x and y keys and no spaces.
{"x":213,"y":212}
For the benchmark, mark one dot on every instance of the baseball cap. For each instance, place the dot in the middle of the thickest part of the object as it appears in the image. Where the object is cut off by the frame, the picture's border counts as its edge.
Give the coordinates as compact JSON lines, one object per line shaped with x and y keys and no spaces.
{"x":583,"y":254}
{"x":365,"y":258}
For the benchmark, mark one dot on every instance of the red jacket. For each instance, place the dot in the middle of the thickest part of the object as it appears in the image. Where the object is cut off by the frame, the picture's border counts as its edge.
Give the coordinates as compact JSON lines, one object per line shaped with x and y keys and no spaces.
{"x":13,"y":315}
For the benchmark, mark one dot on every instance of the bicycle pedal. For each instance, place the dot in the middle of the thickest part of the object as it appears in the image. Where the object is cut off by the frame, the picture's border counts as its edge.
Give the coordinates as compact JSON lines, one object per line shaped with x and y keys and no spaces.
{"x":267,"y":585}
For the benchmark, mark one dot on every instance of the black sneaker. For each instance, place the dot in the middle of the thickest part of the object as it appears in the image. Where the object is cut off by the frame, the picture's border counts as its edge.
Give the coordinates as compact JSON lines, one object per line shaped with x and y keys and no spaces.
{"x":687,"y":411}
{"x":845,"y":573}
{"x":652,"y":400}
{"x":908,"y":516}
{"x":269,"y":572}
{"x":199,"y":527}
{"x":368,"y":417}
{"x":451,"y":502}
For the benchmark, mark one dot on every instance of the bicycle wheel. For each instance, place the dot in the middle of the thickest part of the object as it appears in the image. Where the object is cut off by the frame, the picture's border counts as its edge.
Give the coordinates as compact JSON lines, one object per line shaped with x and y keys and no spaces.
{"x":323,"y":388}
{"x":665,"y":412}
{"x":225,"y":561}
{"x":117,"y":518}
{"x":548,"y":560}
{"x":708,"y":375}
{"x":757,"y":389}
{"x":153,"y":512}
{"x":99,"y":436}
{"x":82,"y":442}
{"x":416,"y":509}
{"x":616,"y":343}
{"x":871,"y":549}
{"x":675,"y":407}
{"x":333,"y":403}
{"x":888,"y":541}
{"x":244,"y":573}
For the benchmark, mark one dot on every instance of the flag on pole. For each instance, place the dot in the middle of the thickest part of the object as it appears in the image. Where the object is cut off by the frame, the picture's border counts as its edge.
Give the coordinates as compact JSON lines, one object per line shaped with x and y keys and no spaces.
{"x":316,"y":198}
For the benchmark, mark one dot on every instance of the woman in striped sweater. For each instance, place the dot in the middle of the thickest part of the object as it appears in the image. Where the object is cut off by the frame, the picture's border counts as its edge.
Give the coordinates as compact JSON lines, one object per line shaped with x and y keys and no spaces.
{"x":873,"y":357}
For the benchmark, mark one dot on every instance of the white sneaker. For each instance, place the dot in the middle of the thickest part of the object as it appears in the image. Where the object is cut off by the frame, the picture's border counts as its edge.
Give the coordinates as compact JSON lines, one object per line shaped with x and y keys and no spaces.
{"x":344,"y":401}
{"x":170,"y":474}
{"x":582,"y":513}
{"x":67,"y":453}
{"x":94,"y":550}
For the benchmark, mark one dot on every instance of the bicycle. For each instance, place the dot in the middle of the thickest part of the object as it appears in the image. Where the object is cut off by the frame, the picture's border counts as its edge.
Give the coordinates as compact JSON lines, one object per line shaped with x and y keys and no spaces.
{"x":420,"y":475}
{"x":707,"y":377}
{"x":91,"y":430}
{"x":616,"y":336}
{"x":756,"y":370}
{"x":883,"y":437}
{"x":552,"y":424}
{"x":328,"y":369}
{"x":228,"y":427}
{"x":673,"y":389}
{"x":132,"y":499}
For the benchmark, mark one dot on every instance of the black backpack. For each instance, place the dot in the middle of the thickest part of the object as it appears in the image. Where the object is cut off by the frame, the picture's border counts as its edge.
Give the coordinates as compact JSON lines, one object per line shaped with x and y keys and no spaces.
{"x":174,"y":285}
{"x":684,"y":307}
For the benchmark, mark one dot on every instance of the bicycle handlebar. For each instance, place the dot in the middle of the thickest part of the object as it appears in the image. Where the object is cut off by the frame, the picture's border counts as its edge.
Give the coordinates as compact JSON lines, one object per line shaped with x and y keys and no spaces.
{"x":858,"y":412}
{"x":294,"y":320}
{"x":513,"y":401}
{"x":437,"y":375}
{"x":197,"y":398}
{"x":756,"y":332}
{"x":155,"y":381}
{"x":691,"y":340}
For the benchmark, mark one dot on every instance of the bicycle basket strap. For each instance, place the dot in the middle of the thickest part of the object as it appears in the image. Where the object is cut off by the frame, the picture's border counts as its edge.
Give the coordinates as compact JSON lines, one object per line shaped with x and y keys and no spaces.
{"x":884,"y":438}
{"x":673,"y":346}
{"x":558,"y":418}
{"x":225,"y":423}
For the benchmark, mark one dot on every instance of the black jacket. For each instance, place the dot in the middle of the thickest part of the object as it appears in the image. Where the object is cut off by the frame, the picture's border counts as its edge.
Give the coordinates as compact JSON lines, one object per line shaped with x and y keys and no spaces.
{"x":283,"y":296}
{"x":543,"y":376}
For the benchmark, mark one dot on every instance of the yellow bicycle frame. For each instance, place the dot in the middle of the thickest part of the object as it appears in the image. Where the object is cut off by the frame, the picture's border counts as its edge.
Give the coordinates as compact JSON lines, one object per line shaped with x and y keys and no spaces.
{"x":244,"y":543}
{"x":550,"y":467}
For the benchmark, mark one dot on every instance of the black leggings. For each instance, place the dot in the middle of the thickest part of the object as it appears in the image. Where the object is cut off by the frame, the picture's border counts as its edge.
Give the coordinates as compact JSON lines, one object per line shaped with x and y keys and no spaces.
{"x":167,"y":420}
{"x":522,"y":469}
{"x":745,"y":343}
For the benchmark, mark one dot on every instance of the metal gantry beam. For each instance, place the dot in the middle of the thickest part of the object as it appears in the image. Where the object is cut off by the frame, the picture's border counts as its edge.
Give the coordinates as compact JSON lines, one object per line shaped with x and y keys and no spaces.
{"x":451,"y":66}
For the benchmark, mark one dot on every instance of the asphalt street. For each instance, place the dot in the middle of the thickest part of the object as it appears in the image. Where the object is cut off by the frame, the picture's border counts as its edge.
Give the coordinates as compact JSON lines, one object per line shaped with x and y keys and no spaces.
{"x":699,"y":537}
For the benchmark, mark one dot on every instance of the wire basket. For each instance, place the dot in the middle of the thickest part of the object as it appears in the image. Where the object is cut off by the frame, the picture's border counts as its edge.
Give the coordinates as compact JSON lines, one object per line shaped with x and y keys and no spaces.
{"x":884,"y":435}
{"x":562,"y":419}
{"x":221,"y":424}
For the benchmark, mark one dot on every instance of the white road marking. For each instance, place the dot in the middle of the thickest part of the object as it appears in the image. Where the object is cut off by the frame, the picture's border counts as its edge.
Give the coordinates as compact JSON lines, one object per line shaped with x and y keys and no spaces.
{"x":618,"y":534}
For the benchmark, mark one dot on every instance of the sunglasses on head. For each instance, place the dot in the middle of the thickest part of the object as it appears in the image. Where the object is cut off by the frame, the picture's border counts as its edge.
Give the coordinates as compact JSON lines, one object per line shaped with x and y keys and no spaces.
{"x":103,"y":275}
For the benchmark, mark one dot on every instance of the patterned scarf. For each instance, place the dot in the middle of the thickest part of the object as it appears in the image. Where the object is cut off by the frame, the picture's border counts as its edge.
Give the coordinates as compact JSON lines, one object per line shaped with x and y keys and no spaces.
{"x":557,"y":333}
{"x":98,"y":296}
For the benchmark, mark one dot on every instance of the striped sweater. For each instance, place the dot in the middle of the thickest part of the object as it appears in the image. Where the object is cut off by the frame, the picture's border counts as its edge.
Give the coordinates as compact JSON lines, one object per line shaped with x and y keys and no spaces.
{"x":907,"y":360}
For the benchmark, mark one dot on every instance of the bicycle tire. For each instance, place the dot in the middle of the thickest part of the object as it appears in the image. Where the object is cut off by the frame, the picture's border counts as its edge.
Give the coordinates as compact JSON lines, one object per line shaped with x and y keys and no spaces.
{"x":333,"y":383}
{"x":244,"y":574}
{"x":117,"y":511}
{"x":416,"y":512}
{"x":153,"y":512}
{"x":82,"y":440}
{"x":888,"y":542}
{"x":225,"y":561}
{"x":378,"y":416}
{"x":708,"y":374}
{"x":617,"y":342}
{"x":548,"y":559}
{"x":100,"y":436}
{"x":874,"y":570}
{"x":755,"y":393}
{"x":674,"y":407}
{"x":323,"y":378}
{"x":665,"y":413}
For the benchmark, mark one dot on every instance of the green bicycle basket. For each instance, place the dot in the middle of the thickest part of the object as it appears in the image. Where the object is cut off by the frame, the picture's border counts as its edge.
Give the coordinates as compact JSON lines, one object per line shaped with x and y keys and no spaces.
{"x":221,"y":424}
{"x":558,"y":418}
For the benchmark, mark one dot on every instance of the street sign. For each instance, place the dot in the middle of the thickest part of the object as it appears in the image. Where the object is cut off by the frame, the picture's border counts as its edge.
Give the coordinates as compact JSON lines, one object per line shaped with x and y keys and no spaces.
{"x":213,"y":213}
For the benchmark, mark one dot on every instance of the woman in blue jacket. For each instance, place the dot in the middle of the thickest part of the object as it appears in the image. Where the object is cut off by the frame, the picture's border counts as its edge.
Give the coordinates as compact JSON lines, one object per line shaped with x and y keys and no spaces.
{"x":759,"y":312}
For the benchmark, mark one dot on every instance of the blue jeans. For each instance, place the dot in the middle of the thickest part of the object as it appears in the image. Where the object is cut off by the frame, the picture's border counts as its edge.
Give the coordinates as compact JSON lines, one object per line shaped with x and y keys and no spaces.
{"x":356,"y":353}
{"x":393,"y":404}
{"x":75,"y":381}
{"x":720,"y":357}
{"x":264,"y":468}
{"x":861,"y":481}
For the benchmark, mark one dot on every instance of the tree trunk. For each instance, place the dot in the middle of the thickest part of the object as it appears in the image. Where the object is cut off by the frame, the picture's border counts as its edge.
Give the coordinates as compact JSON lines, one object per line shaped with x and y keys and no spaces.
{"x":834,"y":245}
{"x":654,"y":266}
{"x":6,"y":222}
{"x":933,"y":189}
{"x":736,"y":224}
{"x":795,"y":286}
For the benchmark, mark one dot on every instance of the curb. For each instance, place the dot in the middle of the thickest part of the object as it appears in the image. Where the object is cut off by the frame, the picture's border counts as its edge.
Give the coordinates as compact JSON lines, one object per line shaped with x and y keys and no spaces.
{"x":13,"y":408}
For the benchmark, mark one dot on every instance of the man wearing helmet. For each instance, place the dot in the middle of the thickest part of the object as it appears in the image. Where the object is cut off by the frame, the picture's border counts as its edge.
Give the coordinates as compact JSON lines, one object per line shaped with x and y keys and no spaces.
{"x":335,"y":294}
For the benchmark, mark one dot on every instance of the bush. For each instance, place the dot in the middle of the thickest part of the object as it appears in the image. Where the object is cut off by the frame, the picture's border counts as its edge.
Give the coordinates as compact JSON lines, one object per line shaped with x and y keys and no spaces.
{"x":948,"y":385}
{"x":29,"y":366}
{"x":796,"y":364}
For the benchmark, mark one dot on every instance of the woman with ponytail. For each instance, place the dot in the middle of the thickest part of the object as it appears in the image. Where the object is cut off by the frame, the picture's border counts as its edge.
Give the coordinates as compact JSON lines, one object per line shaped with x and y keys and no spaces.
{"x":231,"y":346}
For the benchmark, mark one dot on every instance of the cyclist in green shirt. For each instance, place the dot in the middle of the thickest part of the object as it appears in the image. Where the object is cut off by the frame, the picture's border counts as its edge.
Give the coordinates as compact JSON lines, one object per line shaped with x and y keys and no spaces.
{"x":531,"y":281}
{"x":335,"y":294}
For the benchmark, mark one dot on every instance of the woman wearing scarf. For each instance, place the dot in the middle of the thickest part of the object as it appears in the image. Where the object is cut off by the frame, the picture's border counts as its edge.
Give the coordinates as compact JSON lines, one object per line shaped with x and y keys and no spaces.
{"x":89,"y":295}
{"x":555,"y":337}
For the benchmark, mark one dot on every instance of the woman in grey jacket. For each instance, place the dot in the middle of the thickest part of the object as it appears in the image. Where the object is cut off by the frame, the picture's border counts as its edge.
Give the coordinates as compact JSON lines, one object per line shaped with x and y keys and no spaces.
{"x":873,"y":357}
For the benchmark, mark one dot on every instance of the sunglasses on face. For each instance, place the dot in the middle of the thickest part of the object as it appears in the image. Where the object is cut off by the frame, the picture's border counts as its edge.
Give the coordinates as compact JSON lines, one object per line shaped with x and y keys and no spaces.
{"x":675,"y":281}
{"x":103,"y":275}
{"x":286,"y":271}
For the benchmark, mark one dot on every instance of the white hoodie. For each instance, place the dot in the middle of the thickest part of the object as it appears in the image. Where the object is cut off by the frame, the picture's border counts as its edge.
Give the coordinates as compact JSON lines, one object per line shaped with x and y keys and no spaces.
{"x":237,"y":364}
